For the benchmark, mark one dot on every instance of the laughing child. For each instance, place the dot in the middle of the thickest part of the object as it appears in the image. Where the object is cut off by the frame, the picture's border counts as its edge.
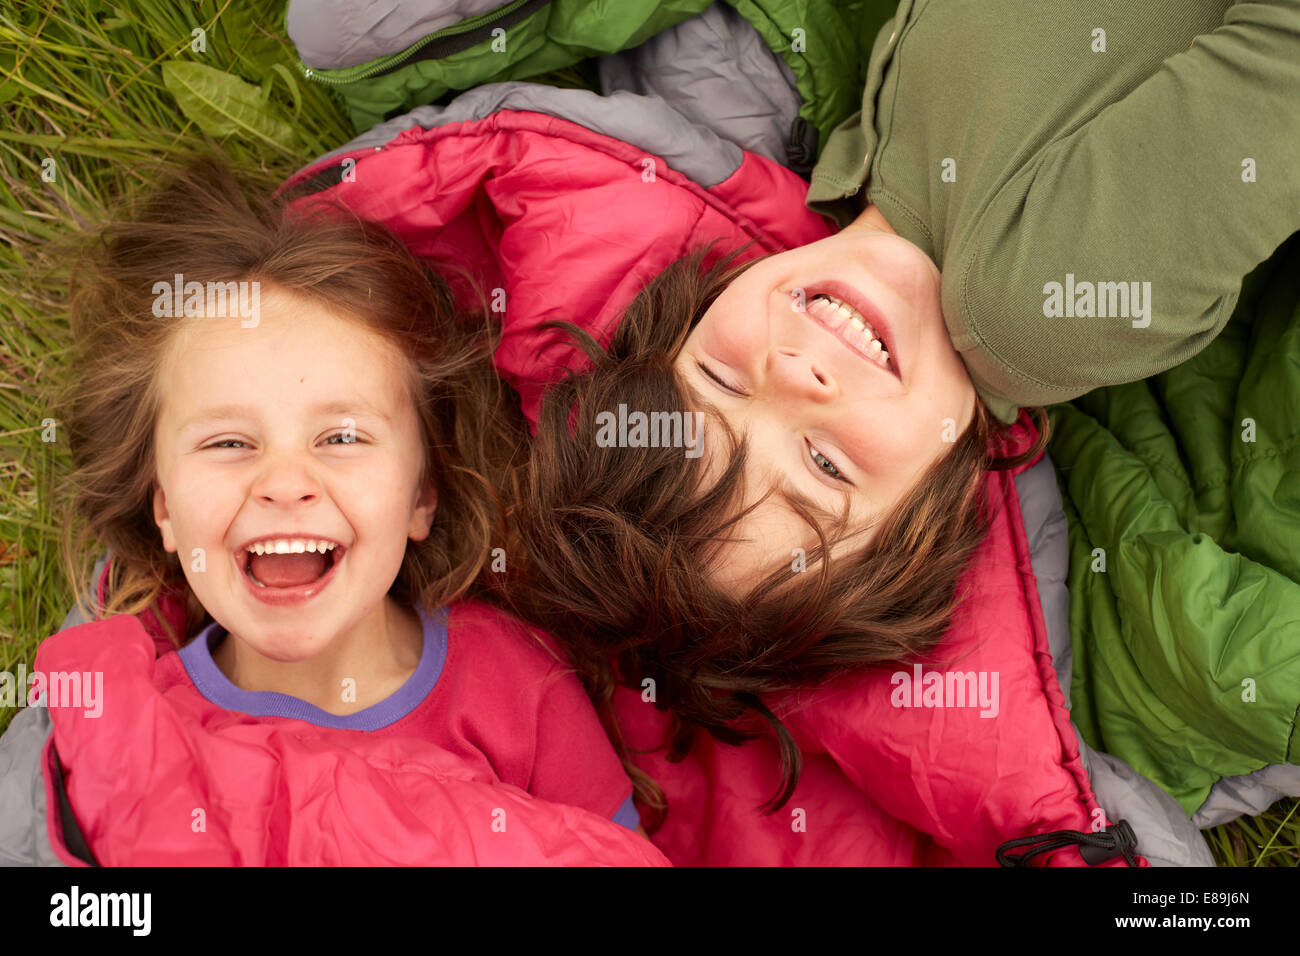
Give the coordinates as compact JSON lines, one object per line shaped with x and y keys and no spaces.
{"x":278,"y":416}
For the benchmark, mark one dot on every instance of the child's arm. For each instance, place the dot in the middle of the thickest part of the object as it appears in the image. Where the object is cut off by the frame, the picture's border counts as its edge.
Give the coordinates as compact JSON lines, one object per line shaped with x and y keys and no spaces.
{"x":1186,"y":184}
{"x":574,"y":762}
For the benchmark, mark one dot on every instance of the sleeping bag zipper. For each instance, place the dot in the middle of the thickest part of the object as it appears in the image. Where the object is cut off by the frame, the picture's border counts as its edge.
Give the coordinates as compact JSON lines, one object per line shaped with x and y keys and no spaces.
{"x":1110,"y":842}
{"x":442,"y":43}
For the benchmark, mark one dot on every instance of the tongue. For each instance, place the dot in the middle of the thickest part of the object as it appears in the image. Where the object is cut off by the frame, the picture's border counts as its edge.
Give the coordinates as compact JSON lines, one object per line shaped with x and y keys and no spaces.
{"x":288,"y":570}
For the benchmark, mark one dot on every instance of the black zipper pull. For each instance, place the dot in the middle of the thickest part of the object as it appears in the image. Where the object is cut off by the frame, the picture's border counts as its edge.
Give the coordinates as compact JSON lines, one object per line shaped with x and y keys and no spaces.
{"x":1095,"y":848}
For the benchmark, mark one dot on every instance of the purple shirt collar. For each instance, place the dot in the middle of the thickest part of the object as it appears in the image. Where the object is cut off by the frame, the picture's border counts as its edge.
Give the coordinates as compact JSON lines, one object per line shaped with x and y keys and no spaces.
{"x":216,"y":687}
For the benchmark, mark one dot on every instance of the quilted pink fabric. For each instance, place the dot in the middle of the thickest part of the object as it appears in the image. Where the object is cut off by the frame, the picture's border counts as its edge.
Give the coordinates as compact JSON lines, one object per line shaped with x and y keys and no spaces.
{"x":166,"y":778}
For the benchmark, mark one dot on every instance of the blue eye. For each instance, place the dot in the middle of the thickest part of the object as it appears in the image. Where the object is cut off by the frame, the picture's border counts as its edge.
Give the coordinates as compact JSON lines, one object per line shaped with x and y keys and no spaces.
{"x":224,"y":442}
{"x":826,"y":465}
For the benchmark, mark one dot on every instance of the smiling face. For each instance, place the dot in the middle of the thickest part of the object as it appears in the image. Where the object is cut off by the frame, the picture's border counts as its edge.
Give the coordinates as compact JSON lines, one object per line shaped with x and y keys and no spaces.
{"x":253,"y":440}
{"x":825,"y":415}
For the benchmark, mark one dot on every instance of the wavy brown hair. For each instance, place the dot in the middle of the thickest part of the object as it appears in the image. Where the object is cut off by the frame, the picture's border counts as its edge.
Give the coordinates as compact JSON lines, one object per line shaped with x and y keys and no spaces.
{"x":206,"y":224}
{"x":616,"y":546}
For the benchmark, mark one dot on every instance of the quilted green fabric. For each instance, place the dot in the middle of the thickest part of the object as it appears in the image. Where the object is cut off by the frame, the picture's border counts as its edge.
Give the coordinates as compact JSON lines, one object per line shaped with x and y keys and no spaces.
{"x":826,"y":46}
{"x":1187,"y":486}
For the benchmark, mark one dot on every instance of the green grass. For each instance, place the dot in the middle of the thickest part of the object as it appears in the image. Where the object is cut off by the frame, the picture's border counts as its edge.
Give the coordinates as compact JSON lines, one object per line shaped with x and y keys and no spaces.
{"x":86,"y":85}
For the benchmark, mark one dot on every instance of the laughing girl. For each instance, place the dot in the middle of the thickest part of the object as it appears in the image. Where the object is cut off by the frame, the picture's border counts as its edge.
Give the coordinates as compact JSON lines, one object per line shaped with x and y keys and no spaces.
{"x":318,"y":474}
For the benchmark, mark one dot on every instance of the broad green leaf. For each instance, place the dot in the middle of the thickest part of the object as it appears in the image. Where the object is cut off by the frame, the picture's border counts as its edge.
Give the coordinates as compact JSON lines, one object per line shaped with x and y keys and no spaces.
{"x":220,"y":104}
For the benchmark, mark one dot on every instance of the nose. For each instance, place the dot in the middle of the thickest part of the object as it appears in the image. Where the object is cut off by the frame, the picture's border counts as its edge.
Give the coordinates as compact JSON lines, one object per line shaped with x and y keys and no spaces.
{"x":798,"y":373}
{"x":285,"y":479}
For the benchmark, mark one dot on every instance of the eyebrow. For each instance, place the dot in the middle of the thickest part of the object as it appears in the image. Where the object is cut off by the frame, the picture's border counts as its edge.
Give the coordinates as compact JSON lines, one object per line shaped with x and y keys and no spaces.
{"x":218,"y":413}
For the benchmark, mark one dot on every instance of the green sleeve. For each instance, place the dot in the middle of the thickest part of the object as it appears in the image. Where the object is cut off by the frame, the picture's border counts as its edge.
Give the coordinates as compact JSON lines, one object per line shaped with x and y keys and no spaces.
{"x":1187,"y":183}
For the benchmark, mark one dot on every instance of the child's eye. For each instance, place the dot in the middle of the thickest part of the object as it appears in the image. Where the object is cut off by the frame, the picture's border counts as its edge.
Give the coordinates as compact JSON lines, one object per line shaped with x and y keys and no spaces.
{"x":826,"y":465}
{"x":711,"y":374}
{"x":231,"y":442}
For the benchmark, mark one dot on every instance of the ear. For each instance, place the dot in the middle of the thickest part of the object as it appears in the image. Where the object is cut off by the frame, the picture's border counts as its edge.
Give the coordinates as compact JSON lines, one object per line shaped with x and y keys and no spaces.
{"x":426,"y":503}
{"x":161,"y":517}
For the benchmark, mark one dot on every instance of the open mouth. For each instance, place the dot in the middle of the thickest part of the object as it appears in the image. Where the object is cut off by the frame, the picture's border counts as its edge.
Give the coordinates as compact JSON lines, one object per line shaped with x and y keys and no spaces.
{"x":306,"y":568}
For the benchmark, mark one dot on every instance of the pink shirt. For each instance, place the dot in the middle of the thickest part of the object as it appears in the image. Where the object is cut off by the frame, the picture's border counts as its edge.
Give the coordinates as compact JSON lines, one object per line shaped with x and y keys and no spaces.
{"x":485,"y":690}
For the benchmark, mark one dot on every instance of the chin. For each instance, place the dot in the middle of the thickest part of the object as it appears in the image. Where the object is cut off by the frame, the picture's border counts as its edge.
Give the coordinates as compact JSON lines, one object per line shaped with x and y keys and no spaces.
{"x":290,"y":650}
{"x":901,"y":252}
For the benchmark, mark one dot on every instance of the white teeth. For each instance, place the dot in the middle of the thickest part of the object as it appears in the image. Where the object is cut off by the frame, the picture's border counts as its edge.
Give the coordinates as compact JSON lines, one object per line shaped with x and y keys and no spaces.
{"x":866,"y":335}
{"x":286,"y":546}
{"x":291,"y":546}
{"x":847,"y":311}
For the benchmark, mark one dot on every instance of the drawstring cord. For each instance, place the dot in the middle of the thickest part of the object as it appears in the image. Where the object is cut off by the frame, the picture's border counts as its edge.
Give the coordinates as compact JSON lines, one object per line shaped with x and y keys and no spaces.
{"x":1106,"y":844}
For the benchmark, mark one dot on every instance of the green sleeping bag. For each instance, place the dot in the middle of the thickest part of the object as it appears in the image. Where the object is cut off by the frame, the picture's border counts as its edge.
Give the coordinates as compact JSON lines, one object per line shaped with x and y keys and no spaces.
{"x":1183,"y":498}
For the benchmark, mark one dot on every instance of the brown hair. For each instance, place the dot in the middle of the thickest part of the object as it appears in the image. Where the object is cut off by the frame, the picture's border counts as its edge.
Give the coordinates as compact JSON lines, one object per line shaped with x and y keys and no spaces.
{"x":615,"y":548}
{"x":205,"y":224}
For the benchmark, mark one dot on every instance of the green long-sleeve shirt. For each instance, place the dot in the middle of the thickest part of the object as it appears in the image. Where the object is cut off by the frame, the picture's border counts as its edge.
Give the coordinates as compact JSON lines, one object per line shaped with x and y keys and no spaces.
{"x":1092,"y":200}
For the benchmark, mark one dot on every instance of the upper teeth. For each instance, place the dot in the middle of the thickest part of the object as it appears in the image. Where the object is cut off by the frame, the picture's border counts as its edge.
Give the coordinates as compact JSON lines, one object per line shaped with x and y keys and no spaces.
{"x":290,"y":546}
{"x":856,"y":330}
